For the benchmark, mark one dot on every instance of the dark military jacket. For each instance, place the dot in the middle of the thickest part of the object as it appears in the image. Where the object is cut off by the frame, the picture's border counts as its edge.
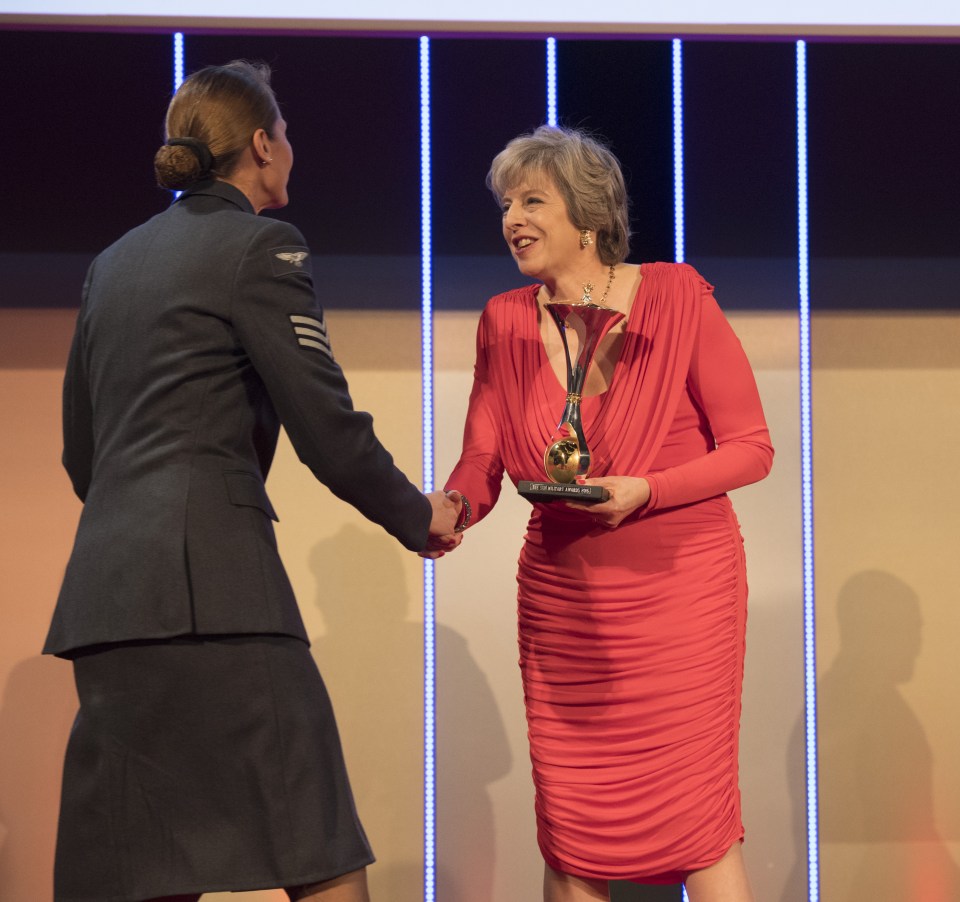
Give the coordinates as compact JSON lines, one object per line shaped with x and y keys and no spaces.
{"x":198,"y":335}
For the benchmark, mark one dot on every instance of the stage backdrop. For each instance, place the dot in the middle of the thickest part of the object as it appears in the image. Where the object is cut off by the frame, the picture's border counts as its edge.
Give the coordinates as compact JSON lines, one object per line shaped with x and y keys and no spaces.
{"x":884,"y":239}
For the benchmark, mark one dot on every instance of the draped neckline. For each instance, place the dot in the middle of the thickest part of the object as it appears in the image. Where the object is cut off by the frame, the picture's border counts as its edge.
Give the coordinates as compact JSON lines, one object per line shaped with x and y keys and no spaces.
{"x":628,"y":422}
{"x":551,"y":382}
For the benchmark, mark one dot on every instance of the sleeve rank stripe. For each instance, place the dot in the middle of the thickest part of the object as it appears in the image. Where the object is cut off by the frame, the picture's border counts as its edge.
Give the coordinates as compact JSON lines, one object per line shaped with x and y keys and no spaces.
{"x":312,"y":333}
{"x":310,"y":343}
{"x":309,"y":321}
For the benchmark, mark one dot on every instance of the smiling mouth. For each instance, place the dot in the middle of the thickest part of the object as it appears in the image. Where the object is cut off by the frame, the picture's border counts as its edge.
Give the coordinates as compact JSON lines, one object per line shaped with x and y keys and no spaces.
{"x":521,"y":243}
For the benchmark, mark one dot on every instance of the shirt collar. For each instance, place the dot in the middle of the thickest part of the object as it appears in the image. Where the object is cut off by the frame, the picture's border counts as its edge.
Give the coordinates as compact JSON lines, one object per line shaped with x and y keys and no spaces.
{"x":221,"y":189}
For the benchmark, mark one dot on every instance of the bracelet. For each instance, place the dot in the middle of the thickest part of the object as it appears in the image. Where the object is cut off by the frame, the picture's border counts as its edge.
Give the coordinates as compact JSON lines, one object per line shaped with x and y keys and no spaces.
{"x":465,"y":516}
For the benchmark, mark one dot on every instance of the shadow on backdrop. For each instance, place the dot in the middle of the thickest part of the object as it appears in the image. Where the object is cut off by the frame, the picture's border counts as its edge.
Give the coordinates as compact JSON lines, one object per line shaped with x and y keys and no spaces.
{"x":372,"y":655}
{"x":877,"y":816}
{"x":473,"y":752}
{"x":371,"y":659}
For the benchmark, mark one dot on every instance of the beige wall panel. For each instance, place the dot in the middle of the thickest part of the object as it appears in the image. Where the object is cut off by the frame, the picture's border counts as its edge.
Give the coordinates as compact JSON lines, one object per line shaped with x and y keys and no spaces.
{"x":486,"y":832}
{"x":486,"y":829}
{"x":886,"y":393}
{"x":361,"y":594}
{"x":359,"y":590}
{"x":38,"y":515}
{"x":771,"y":752}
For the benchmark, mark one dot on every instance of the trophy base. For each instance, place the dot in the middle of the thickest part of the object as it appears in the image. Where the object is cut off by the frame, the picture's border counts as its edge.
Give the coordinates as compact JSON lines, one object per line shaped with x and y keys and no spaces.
{"x":556,"y":491}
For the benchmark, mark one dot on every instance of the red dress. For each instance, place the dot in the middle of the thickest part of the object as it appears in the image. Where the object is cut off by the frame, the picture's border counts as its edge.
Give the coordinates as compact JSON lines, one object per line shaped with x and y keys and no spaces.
{"x":631,"y":639}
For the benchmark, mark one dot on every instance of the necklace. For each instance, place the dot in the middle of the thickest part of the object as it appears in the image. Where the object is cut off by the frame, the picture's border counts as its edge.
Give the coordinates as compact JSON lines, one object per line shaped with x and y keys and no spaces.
{"x":588,"y":288}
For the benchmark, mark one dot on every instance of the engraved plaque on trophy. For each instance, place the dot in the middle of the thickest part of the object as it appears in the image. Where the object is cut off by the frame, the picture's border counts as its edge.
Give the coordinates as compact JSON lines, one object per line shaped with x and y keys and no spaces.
{"x":567,"y":456}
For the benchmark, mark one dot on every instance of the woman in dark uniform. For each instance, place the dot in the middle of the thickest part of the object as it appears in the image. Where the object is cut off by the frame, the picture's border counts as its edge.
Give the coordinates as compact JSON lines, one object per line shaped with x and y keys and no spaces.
{"x":205,"y":755}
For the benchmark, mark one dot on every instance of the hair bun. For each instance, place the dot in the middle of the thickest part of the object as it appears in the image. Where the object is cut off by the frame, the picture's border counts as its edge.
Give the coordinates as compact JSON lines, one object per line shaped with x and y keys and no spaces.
{"x":181,"y":162}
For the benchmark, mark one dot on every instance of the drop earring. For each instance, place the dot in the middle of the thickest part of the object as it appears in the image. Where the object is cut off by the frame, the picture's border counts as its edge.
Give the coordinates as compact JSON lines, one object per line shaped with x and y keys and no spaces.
{"x":586,"y":239}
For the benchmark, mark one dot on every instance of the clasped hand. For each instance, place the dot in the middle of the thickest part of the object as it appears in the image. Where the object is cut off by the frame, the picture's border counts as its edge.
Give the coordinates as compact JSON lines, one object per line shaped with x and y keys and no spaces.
{"x":627,"y":494}
{"x":446,"y":513}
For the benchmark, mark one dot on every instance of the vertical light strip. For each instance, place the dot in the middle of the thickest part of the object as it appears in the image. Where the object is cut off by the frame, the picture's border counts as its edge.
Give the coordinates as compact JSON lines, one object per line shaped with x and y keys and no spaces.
{"x":177,"y":73}
{"x":678,"y":208}
{"x":177,"y":60}
{"x":806,"y":477}
{"x":678,"y":211}
{"x":551,"y":81}
{"x":429,"y":594}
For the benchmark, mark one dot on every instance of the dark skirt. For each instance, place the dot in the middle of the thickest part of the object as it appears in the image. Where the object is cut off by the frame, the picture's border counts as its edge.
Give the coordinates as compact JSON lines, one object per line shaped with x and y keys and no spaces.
{"x":202,"y":765}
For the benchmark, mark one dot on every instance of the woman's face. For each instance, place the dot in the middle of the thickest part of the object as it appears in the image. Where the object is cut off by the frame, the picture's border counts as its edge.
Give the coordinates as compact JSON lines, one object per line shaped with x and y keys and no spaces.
{"x":538,"y":230}
{"x":277,"y":173}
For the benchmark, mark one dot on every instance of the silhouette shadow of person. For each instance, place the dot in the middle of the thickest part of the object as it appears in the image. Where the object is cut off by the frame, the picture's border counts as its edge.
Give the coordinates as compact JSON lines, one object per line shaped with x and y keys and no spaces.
{"x":473,"y":751}
{"x":371,"y":657}
{"x":877,"y":816}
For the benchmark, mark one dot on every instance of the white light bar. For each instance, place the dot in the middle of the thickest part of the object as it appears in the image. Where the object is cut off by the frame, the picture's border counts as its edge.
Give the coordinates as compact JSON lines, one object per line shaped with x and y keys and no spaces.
{"x":679,"y":249}
{"x":806,"y":481}
{"x":429,"y":587}
{"x":551,"y":81}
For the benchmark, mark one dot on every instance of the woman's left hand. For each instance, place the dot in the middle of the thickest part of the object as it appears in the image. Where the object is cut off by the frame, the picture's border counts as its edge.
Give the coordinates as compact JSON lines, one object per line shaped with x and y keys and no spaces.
{"x":627,"y":494}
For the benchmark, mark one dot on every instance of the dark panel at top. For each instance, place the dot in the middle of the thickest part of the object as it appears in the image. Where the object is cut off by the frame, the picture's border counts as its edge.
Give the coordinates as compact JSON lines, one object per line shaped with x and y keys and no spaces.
{"x":884,"y":183}
{"x":483,"y":94}
{"x":884,"y":122}
{"x":622,"y":91}
{"x":85,"y":116}
{"x":352,"y":105}
{"x":884,"y":132}
{"x":740,"y":149}
{"x":740,"y":170}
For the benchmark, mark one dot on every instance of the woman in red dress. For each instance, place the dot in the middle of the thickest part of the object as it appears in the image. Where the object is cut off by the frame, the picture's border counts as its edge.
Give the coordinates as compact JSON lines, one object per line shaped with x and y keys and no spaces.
{"x":632,"y":612}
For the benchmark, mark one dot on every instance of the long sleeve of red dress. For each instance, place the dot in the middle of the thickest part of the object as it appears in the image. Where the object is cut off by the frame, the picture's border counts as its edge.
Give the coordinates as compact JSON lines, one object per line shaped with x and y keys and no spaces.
{"x":478,"y":474}
{"x":721,"y":384}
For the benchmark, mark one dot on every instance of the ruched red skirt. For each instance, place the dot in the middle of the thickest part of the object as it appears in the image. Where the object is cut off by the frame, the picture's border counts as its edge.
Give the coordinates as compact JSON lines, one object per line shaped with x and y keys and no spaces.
{"x":631,"y":650}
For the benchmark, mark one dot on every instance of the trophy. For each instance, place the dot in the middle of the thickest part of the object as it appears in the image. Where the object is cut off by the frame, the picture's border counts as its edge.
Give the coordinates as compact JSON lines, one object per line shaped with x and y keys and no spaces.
{"x":567,"y":455}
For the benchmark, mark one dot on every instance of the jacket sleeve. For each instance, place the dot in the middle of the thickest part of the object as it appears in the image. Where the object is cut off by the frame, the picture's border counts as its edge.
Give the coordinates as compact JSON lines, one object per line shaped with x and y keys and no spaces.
{"x":723,"y":386}
{"x":281,"y":327}
{"x":77,"y":409}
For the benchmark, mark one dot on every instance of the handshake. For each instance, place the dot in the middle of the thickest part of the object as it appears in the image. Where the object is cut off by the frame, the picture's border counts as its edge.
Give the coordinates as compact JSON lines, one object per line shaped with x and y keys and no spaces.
{"x":451,"y":514}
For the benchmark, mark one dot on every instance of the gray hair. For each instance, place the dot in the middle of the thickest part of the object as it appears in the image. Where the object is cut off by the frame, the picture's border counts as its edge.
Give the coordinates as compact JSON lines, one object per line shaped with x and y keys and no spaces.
{"x":585,"y":172}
